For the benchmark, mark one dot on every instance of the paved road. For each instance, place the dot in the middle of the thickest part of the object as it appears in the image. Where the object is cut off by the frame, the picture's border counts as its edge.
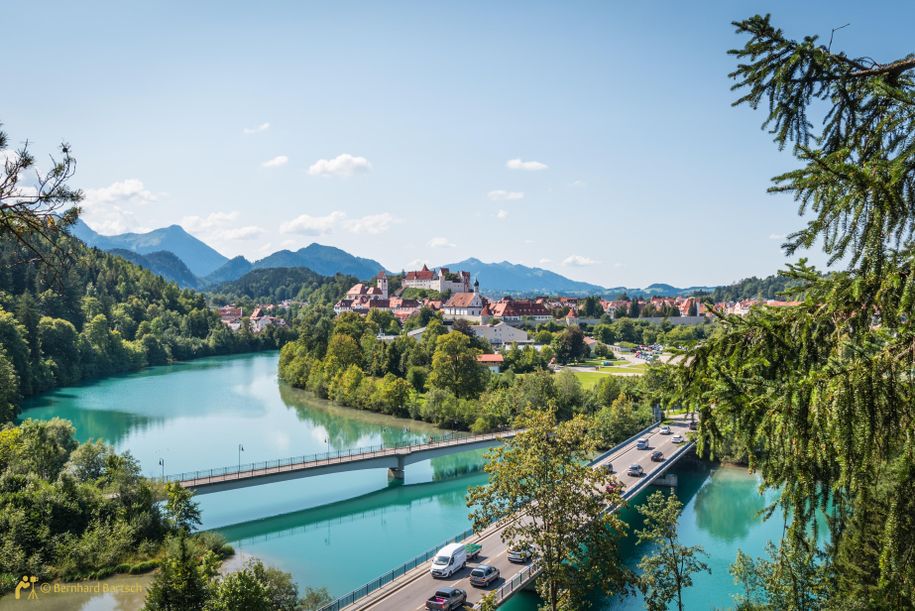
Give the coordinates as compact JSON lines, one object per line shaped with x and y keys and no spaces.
{"x":411,"y":591}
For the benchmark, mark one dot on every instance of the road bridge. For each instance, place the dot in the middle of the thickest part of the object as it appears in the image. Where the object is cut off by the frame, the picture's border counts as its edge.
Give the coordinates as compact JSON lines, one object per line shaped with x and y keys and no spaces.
{"x":407,"y":587}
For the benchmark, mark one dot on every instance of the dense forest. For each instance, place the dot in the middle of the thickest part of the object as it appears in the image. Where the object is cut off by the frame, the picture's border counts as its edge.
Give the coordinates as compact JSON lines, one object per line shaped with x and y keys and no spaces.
{"x":277,"y":284}
{"x":95,"y":314}
{"x":770,"y":287}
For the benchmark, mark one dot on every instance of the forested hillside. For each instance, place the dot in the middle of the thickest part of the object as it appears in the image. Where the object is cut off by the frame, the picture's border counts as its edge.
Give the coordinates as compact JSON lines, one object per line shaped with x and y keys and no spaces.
{"x":276,"y":284}
{"x":769,"y":287}
{"x":94,"y":315}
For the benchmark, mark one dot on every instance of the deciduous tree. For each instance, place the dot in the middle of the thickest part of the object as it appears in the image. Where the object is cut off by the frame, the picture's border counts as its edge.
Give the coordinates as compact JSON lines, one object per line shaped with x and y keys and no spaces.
{"x":541,"y":478}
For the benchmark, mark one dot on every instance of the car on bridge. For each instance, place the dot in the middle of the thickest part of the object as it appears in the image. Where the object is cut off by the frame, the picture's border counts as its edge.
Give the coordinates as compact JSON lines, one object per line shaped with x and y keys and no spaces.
{"x":608,"y":467}
{"x":665,"y":430}
{"x":642,"y":444}
{"x":613,"y":487}
{"x":678,"y":438}
{"x":449,"y":560}
{"x":635,"y":470}
{"x":657,"y":456}
{"x":519,"y":556}
{"x":446,"y":599}
{"x":483,"y":575}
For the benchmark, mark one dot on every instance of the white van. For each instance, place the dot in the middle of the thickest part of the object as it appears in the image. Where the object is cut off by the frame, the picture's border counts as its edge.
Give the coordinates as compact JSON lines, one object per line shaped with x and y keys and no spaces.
{"x":642,"y":443}
{"x":449,"y":560}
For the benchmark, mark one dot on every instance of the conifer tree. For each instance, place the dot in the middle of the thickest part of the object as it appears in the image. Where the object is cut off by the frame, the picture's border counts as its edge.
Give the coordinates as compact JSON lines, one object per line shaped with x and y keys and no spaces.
{"x":821,"y":396}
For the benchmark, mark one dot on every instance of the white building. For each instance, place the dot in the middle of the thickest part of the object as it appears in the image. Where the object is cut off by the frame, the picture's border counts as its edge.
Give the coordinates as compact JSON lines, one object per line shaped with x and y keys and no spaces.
{"x":501,"y":334}
{"x":442,"y":281}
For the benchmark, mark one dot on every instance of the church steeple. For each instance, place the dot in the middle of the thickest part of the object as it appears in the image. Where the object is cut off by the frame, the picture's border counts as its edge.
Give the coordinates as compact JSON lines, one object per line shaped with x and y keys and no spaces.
{"x":476,"y":285}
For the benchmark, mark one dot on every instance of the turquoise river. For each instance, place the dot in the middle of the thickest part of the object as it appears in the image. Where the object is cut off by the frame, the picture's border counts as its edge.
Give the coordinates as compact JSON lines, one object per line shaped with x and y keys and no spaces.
{"x":340,"y":531}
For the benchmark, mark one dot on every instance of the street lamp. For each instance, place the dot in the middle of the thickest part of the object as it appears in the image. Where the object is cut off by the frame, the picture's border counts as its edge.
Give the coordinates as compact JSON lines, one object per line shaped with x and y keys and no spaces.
{"x":162,"y":464}
{"x":241,"y":449}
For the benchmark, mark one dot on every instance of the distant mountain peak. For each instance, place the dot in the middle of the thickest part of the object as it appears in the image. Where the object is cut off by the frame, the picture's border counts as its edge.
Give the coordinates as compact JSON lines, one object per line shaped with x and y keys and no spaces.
{"x":199,"y":257}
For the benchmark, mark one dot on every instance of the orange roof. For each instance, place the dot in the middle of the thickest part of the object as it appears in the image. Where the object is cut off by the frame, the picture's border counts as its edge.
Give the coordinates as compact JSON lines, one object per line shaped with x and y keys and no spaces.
{"x":460,"y":300}
{"x":490,"y":358}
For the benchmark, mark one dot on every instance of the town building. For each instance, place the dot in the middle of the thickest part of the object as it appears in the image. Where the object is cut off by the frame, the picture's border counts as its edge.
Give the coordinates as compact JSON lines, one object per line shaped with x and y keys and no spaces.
{"x":443,"y":280}
{"x":493,"y":362}
{"x":501,"y":334}
{"x":519,"y":309}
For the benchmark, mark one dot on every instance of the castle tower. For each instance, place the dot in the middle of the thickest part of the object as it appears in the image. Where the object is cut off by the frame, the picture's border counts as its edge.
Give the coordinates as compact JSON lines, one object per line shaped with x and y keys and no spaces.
{"x":382,"y":283}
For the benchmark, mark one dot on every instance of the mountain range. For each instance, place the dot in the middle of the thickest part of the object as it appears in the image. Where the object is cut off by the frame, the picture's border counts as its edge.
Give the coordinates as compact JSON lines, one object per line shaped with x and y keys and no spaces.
{"x":178,"y":256}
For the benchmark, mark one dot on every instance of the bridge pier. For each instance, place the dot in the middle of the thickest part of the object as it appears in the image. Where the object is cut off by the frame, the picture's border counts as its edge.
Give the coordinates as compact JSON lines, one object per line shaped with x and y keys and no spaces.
{"x":669,"y":480}
{"x":397,"y":472}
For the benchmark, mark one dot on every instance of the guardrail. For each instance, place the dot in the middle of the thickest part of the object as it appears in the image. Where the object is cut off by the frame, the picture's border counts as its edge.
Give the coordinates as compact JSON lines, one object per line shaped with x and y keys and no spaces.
{"x":623,"y":444}
{"x":351,"y":597}
{"x":330,"y":457}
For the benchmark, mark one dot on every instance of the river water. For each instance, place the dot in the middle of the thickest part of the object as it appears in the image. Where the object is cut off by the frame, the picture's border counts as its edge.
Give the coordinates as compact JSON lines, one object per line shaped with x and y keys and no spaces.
{"x":340,"y":531}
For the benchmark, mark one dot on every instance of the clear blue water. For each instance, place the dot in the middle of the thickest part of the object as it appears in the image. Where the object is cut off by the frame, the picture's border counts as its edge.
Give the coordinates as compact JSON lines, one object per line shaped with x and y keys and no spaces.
{"x":194,"y":415}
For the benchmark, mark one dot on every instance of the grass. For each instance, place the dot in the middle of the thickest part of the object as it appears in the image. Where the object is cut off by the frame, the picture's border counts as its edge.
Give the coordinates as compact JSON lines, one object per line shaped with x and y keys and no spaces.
{"x":589,"y":379}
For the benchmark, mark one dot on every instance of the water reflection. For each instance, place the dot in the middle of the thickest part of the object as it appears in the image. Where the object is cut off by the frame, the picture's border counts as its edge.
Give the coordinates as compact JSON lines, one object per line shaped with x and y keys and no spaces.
{"x":729,"y":506}
{"x":367,"y":507}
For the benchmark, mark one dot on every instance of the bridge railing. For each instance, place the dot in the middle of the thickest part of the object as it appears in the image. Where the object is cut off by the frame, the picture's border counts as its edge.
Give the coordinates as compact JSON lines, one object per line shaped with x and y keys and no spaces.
{"x":351,"y":597}
{"x":329,"y":457}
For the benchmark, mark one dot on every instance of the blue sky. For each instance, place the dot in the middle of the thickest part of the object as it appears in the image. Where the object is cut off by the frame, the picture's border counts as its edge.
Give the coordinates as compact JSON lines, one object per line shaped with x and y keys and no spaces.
{"x":593,"y":139}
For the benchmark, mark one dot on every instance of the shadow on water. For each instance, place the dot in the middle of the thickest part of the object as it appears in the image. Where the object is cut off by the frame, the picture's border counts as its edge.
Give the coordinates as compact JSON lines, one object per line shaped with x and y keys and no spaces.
{"x":451,"y":492}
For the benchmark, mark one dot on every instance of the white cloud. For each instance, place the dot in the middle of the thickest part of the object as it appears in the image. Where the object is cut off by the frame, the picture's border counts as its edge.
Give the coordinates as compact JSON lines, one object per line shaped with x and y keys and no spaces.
{"x":417,"y":264}
{"x":502,"y":215}
{"x":109,"y":210}
{"x":578,"y":261}
{"x":256,"y":130}
{"x":440,"y":242}
{"x":545,"y":261}
{"x":305,"y":224}
{"x":341,"y":165}
{"x":501,"y":195}
{"x":214,"y":226}
{"x":618,"y":264}
{"x":276,"y":162}
{"x":241,"y":233}
{"x":578,"y":184}
{"x":372,"y":224}
{"x":776,"y":236}
{"x":530,"y":166}
{"x":209,"y":222}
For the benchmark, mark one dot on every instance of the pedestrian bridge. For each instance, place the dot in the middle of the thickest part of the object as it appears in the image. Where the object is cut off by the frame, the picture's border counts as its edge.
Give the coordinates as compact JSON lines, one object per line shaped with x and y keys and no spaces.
{"x":394,"y":458}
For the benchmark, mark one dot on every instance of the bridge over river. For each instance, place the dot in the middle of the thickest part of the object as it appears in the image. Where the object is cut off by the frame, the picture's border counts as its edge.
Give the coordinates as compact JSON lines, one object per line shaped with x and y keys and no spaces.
{"x":394,"y":458}
{"x":407,"y":587}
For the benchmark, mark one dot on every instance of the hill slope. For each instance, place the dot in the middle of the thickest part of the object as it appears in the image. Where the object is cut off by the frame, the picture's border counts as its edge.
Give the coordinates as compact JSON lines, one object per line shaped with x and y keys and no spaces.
{"x":163,"y":263}
{"x":200,"y":258}
{"x":325,"y":260}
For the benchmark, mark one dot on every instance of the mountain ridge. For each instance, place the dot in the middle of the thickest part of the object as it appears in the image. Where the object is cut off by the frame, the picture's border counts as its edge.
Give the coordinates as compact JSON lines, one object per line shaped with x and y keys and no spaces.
{"x":199,"y":257}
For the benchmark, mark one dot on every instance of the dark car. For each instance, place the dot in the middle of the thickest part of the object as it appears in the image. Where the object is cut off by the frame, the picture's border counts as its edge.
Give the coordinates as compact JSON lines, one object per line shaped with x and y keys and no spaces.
{"x":608,"y":467}
{"x":657,"y":456}
{"x":613,"y":487}
{"x":483,"y":575}
{"x":693,"y":426}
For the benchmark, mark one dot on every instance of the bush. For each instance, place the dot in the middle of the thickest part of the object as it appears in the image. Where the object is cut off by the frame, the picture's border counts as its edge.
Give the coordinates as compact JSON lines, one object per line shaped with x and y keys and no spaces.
{"x":144,"y":567}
